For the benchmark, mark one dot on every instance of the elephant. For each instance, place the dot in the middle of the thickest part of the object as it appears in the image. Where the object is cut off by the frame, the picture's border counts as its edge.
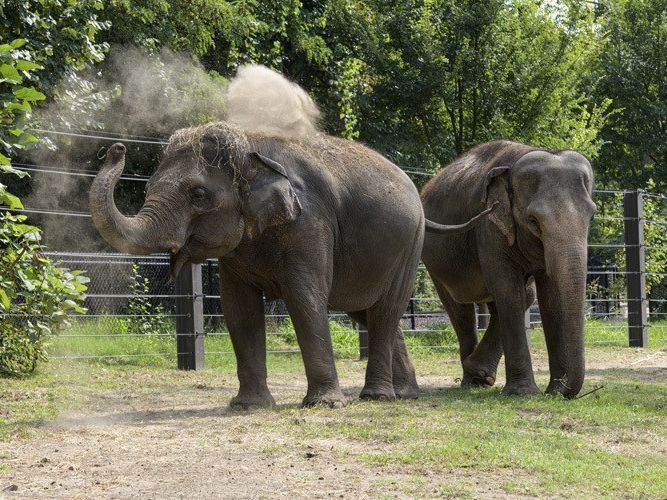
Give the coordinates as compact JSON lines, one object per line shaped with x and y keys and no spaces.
{"x":318,"y":221}
{"x":538,"y":232}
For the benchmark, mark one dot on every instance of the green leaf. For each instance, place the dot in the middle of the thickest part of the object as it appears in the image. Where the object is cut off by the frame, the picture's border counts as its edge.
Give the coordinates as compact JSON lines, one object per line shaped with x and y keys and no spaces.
{"x":4,"y":300}
{"x":6,"y":198}
{"x":10,"y":74}
{"x":8,"y":169}
{"x":28,"y":94}
{"x":23,"y":65}
{"x":4,"y":48}
{"x":19,"y":42}
{"x":18,"y":106}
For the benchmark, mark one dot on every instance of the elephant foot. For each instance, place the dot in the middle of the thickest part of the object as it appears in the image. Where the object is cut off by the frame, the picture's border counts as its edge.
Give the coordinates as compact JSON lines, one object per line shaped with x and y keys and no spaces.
{"x":559,"y":386}
{"x":332,"y":398}
{"x":477,"y":375}
{"x":521,"y":389}
{"x":406,"y":391}
{"x":378,"y":393}
{"x":248,"y":400}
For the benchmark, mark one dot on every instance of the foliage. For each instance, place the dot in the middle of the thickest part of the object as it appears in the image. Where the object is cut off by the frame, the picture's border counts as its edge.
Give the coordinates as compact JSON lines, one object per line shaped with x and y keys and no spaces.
{"x":35,"y":294}
{"x":450,"y":74}
{"x":59,"y":35}
{"x":632,"y":73}
{"x":144,"y":317}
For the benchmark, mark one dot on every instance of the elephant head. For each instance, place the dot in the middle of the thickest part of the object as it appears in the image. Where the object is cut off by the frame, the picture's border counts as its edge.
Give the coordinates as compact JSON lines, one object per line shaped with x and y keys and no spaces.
{"x":211,"y":188}
{"x":544,"y":209}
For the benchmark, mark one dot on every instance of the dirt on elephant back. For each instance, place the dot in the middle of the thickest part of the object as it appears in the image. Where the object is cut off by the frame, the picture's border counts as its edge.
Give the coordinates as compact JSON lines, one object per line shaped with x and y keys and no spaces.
{"x":151,"y":434}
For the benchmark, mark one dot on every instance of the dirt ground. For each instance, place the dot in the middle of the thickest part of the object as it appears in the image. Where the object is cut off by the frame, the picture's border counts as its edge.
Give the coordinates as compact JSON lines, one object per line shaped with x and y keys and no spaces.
{"x":147,"y":438}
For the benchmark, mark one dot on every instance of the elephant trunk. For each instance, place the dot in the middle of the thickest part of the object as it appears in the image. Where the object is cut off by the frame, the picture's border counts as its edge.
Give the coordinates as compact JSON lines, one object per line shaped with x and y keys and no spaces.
{"x":139,"y":235}
{"x":566,"y":268}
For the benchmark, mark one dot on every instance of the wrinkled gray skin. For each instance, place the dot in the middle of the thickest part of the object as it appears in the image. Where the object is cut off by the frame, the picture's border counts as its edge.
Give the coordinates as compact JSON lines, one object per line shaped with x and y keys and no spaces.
{"x":322,"y":223}
{"x":538,"y":230}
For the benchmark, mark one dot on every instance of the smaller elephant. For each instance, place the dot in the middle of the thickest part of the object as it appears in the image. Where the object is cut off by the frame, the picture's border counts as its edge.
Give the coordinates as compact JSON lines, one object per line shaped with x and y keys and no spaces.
{"x":538,"y":232}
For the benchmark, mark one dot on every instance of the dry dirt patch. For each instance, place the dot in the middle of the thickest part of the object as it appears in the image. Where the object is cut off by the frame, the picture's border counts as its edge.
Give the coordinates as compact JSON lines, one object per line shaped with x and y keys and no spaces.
{"x":150,"y":437}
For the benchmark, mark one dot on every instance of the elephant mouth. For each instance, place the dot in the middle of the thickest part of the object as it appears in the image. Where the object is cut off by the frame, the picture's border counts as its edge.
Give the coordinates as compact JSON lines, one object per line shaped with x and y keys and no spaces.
{"x":177,"y":260}
{"x":194,"y":251}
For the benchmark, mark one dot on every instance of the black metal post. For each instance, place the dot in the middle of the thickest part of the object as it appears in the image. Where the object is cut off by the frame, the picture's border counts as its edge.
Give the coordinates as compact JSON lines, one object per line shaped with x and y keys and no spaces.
{"x":635,"y":266}
{"x":413,"y":320}
{"x":190,"y":318}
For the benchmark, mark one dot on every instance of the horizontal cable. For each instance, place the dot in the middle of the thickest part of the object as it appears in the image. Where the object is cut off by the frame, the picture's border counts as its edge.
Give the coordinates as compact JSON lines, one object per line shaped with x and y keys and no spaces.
{"x":119,"y":135}
{"x":107,"y":255}
{"x":45,"y":211}
{"x":147,"y":355}
{"x":76,"y":174}
{"x":91,"y":136}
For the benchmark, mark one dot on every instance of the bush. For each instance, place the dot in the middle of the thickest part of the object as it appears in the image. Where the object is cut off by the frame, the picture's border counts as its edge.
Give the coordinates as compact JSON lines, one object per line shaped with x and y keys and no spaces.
{"x":35,"y":294}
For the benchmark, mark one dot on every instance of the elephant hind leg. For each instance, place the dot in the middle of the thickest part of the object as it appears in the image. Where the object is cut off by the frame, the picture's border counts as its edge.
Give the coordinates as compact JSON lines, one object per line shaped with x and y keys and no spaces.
{"x":404,"y":378}
{"x":403,"y":373}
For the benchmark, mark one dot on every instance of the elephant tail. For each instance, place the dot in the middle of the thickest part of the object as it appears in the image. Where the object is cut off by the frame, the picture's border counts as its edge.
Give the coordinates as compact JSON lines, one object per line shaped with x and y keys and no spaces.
{"x":434,"y":227}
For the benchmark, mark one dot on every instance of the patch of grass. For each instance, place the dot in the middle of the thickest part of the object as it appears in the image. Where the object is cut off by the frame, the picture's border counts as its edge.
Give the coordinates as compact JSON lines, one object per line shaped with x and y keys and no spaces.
{"x":610,"y":443}
{"x":28,"y":402}
{"x":564,"y":447}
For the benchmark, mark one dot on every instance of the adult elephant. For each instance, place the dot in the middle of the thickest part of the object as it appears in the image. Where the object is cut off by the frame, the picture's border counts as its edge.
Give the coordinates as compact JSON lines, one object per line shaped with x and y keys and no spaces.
{"x":538,"y":230}
{"x":292,"y":213}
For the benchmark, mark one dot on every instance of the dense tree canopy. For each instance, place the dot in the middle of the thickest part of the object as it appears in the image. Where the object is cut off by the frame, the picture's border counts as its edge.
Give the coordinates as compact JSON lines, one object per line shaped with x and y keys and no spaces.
{"x":420,"y":80}
{"x":633,"y":74}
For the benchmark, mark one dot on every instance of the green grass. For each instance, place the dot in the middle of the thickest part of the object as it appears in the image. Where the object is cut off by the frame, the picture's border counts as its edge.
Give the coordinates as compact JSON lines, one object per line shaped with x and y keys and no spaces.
{"x":89,"y":339}
{"x":611,"y":443}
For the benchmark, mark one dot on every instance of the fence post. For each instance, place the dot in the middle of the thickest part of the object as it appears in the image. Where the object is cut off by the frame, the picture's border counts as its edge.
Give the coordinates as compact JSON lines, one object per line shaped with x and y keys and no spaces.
{"x":190,"y":318}
{"x":413,"y":320}
{"x":363,"y":341}
{"x":635,"y":265}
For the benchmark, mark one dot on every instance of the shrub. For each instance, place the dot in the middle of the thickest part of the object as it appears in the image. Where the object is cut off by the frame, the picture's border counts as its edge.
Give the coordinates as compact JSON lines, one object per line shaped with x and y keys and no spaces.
{"x":35,"y":294}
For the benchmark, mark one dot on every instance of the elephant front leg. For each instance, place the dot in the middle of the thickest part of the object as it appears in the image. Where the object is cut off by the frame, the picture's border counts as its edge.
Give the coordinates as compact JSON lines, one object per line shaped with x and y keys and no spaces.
{"x":509,"y":291}
{"x":311,"y":323}
{"x":243,"y":307}
{"x":480,"y":367}
{"x":552,"y":322}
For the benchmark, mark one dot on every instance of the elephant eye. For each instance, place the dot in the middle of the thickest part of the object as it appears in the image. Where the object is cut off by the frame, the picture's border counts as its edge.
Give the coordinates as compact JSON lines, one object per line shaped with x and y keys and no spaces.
{"x":534,"y":225}
{"x":199,"y":194}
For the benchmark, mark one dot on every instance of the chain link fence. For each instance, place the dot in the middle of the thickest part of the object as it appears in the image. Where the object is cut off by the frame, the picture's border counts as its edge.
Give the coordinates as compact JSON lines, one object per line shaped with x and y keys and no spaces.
{"x":132,"y":307}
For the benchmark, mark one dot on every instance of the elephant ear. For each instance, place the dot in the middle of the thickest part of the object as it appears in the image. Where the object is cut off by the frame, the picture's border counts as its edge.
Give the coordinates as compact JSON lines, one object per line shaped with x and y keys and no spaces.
{"x":268,"y":197}
{"x":497,"y":192}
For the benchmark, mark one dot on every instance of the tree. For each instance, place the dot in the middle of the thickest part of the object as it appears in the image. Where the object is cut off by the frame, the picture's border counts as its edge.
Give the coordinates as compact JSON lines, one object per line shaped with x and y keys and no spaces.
{"x":633,"y":74}
{"x":450,"y":74}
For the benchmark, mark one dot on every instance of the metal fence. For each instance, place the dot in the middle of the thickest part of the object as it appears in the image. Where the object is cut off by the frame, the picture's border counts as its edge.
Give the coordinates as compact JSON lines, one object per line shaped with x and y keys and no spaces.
{"x":130,"y":298}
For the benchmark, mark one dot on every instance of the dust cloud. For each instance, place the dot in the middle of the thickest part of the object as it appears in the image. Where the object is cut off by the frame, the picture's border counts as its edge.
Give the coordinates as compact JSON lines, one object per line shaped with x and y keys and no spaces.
{"x":262,"y":100}
{"x":133,"y":97}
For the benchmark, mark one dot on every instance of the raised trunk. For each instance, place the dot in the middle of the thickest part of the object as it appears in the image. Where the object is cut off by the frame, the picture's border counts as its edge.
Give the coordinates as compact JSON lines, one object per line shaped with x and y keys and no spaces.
{"x":562,"y":292}
{"x":137,"y":235}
